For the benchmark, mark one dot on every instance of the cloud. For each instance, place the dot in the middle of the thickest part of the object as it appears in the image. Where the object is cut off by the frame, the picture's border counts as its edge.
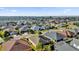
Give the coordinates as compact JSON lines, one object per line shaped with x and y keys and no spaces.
{"x":7,"y":10}
{"x":67,"y":10}
{"x":2,"y":8}
{"x":13,"y":10}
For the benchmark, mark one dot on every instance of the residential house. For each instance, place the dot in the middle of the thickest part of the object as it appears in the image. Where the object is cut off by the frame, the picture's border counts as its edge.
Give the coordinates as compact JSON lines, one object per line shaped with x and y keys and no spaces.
{"x":25,"y":34}
{"x":77,"y":30}
{"x":51,"y":36}
{"x":16,"y":45}
{"x":42,"y":27}
{"x":34,"y":40}
{"x":60,"y":25}
{"x":19,"y":26}
{"x":16,"y":37}
{"x":11,"y":23}
{"x":21,"y":22}
{"x":31,"y":39}
{"x":62,"y":46}
{"x":44,"y":39}
{"x":67,"y":33}
{"x":75,"y":43}
{"x":13,"y":33}
{"x":9,"y":28}
{"x":37,"y":27}
{"x":73,"y":31}
{"x":24,"y":28}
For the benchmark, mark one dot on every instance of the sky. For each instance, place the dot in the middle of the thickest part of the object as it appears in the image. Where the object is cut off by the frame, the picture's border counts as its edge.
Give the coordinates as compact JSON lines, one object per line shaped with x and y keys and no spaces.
{"x":39,"y":11}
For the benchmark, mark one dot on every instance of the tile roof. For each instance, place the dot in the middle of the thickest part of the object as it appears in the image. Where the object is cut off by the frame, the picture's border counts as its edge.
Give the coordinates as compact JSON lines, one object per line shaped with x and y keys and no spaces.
{"x":66,"y":33}
{"x":15,"y":45}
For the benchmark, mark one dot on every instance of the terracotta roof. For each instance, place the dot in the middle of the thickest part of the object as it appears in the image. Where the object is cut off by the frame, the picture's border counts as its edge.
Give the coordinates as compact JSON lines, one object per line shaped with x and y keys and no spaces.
{"x":8,"y":45}
{"x":15,"y":45}
{"x":66,"y":33}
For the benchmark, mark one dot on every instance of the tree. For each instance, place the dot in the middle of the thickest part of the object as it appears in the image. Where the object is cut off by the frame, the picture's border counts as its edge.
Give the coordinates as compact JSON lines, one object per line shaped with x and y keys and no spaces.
{"x":6,"y":34}
{"x":1,"y":33}
{"x":77,"y":24}
{"x":17,"y":30}
{"x":0,"y":29}
{"x":7,"y":38}
{"x":47,"y":47}
{"x":40,"y":33}
{"x":39,"y":47}
{"x":31,"y":31}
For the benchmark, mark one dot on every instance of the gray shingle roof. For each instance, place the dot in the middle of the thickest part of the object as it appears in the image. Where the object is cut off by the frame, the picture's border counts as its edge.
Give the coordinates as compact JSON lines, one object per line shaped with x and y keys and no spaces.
{"x":62,"y":46}
{"x":75,"y":43}
{"x":74,"y":31}
{"x":53,"y":35}
{"x":24,"y":28}
{"x":35,"y":27}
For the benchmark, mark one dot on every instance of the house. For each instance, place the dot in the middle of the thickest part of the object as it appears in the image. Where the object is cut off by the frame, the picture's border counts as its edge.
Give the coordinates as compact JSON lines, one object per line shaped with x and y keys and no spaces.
{"x":16,"y":45}
{"x":52,"y":35}
{"x":21,"y":22}
{"x":31,"y":39}
{"x":13,"y":33}
{"x":73,"y":31}
{"x":24,"y":28}
{"x":16,"y":37}
{"x":19,"y":26}
{"x":34,"y":40}
{"x":38,"y":27}
{"x":9,"y":28}
{"x":77,"y":30}
{"x":35,"y":27}
{"x":60,"y":25}
{"x":44,"y":39}
{"x":42,"y":27}
{"x":55,"y":21}
{"x":67,"y":33}
{"x":62,"y":46}
{"x":11,"y":23}
{"x":25,"y":34}
{"x":75,"y":43}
